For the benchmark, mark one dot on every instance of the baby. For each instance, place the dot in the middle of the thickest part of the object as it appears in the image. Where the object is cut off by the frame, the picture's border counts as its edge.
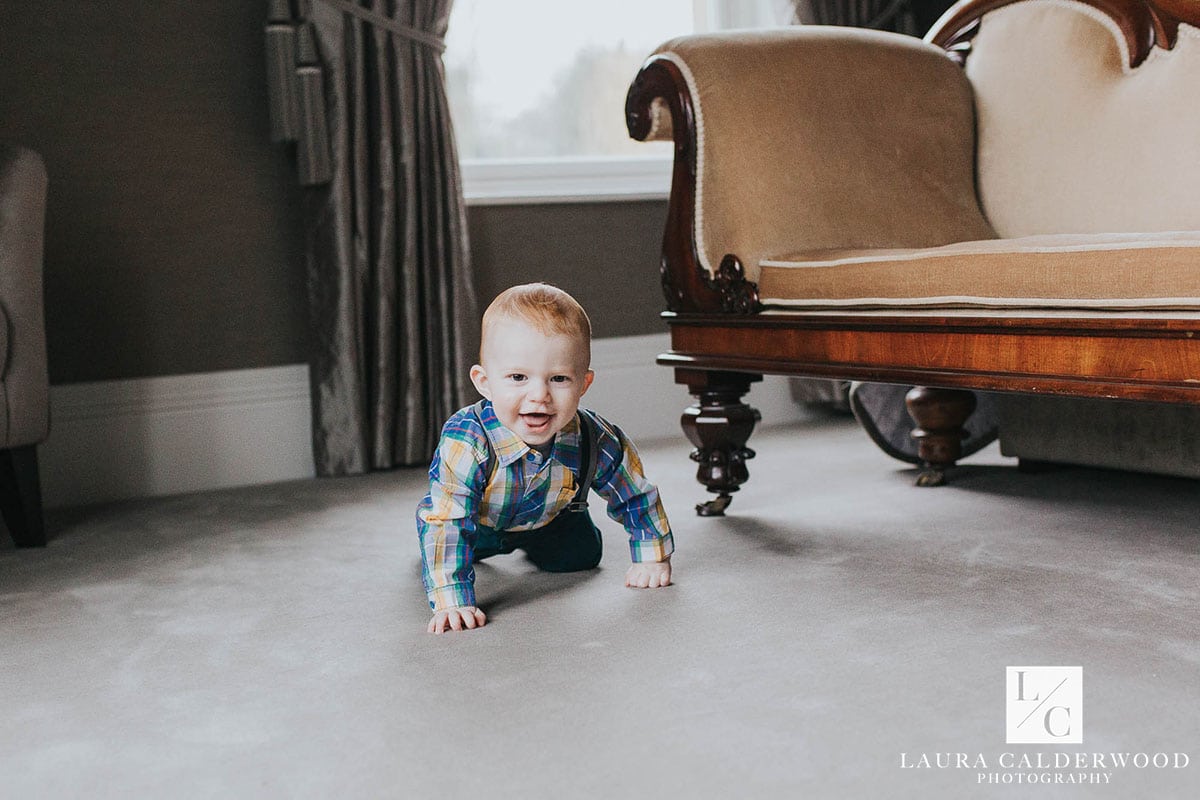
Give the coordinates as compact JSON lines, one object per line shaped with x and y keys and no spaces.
{"x":513,"y":471}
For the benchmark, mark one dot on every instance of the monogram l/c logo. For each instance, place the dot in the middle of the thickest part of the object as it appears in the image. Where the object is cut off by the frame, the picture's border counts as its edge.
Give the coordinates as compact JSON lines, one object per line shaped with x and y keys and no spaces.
{"x":1044,"y":705}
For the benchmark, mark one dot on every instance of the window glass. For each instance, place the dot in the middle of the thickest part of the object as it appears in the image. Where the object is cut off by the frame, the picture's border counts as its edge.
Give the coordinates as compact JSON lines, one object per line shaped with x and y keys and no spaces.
{"x":547,"y":78}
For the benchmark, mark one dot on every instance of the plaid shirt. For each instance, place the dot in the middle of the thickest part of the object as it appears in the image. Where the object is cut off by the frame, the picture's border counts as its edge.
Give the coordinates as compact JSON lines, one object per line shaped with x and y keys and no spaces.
{"x":526,"y":491}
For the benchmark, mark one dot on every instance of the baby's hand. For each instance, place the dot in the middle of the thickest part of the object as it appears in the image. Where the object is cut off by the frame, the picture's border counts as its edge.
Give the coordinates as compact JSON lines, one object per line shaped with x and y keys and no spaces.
{"x":649,"y":575}
{"x":457,"y":619}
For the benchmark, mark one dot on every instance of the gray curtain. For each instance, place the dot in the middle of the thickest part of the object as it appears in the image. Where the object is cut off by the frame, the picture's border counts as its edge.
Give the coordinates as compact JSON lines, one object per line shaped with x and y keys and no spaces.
{"x":359,"y":86}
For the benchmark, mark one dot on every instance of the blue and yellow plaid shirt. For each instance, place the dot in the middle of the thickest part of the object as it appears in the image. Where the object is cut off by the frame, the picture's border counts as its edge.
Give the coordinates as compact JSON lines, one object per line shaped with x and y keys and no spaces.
{"x":526,"y":491}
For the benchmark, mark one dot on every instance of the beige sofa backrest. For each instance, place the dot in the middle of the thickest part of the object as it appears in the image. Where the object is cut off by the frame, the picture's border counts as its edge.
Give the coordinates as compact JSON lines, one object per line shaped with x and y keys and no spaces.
{"x":1071,"y":139}
{"x":895,"y":110}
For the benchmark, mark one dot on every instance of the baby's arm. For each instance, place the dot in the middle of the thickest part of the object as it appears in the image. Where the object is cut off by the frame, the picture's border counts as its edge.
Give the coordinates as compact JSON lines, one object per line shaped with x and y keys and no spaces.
{"x":446,"y":521}
{"x":649,"y":574}
{"x":457,"y":619}
{"x":634,"y":502}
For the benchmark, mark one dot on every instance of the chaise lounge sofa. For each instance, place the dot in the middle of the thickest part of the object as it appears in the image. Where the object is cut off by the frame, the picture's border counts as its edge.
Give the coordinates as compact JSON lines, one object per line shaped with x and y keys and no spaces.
{"x":1011,"y":204}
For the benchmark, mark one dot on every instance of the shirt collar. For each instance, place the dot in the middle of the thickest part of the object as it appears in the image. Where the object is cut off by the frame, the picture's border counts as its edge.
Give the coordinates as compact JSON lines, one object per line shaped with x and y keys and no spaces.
{"x":509,"y":447}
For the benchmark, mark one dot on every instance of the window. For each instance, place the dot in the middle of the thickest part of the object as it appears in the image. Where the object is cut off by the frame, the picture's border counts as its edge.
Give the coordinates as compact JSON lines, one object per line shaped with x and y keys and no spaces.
{"x":537,"y":90}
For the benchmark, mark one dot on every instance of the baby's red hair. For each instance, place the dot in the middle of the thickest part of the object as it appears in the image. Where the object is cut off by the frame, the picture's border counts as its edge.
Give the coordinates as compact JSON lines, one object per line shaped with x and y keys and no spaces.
{"x":546,"y":308}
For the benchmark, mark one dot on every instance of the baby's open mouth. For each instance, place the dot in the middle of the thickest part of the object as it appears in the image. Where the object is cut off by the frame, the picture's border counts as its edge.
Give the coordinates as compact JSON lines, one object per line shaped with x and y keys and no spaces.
{"x":536,"y":420}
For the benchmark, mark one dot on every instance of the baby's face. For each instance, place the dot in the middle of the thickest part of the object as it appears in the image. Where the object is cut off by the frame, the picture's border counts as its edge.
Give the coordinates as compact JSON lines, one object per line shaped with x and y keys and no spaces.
{"x":533,"y":379}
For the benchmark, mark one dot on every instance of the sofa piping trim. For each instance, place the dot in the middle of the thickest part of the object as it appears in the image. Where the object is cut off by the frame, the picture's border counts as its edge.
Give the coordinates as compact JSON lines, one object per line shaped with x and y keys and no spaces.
{"x":1088,"y":11}
{"x":968,"y":301}
{"x":947,"y":252}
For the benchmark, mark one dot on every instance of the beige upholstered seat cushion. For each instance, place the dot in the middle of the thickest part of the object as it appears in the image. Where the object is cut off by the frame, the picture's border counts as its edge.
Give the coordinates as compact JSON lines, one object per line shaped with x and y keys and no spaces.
{"x":1081,"y":271}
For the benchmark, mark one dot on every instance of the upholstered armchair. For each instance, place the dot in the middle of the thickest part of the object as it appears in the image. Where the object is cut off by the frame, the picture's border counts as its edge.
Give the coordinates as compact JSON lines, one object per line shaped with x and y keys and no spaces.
{"x":24,"y":383}
{"x":1009,"y":205}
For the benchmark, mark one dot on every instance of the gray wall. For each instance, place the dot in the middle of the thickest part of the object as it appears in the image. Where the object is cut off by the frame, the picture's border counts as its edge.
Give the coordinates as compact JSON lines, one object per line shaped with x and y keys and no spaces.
{"x":605,"y":254}
{"x":174,"y":242}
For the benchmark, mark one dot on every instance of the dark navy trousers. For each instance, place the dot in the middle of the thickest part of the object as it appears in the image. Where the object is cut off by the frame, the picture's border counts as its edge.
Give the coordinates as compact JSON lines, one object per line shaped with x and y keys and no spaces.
{"x":568,"y":543}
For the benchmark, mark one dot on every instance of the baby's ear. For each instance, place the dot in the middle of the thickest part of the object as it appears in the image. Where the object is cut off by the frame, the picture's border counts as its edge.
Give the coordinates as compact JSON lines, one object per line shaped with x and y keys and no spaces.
{"x":479,"y":378}
{"x":588,"y":377}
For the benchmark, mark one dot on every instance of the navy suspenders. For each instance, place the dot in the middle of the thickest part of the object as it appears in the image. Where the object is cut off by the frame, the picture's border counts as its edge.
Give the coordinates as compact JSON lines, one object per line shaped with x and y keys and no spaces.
{"x":587,"y":463}
{"x":587,"y":457}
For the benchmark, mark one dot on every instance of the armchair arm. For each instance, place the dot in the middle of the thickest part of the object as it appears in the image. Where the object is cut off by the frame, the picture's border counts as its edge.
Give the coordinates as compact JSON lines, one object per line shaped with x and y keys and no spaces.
{"x":24,"y":384}
{"x":801,"y":139}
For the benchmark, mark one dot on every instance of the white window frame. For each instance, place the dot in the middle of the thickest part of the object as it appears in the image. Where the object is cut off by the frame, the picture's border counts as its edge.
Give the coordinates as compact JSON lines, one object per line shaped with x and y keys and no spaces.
{"x":588,"y":179}
{"x":580,"y":179}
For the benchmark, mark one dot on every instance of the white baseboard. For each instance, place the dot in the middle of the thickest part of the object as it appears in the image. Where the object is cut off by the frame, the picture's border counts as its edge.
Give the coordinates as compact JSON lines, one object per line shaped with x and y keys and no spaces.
{"x":113,"y":440}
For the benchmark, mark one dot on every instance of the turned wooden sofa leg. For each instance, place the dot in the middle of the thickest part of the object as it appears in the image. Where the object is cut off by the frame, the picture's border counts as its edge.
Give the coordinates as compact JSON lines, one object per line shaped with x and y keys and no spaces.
{"x":940,"y":415}
{"x":719,"y":426}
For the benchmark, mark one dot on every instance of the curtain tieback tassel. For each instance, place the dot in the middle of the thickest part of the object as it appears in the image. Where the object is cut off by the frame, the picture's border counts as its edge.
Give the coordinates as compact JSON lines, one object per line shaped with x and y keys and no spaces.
{"x":313,"y":161}
{"x":281,"y":81}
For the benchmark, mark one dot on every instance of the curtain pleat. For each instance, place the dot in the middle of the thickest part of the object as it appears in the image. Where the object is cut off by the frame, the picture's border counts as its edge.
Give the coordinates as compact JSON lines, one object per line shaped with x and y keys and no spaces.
{"x":392,"y":299}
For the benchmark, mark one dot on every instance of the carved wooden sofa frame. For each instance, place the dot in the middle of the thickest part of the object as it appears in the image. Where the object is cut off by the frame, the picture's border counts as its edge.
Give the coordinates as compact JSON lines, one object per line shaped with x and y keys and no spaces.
{"x":723,"y":337}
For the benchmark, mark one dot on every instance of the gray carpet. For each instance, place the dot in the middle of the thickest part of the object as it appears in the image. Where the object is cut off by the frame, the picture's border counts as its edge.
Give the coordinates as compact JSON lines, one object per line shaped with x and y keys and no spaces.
{"x":270,"y":642}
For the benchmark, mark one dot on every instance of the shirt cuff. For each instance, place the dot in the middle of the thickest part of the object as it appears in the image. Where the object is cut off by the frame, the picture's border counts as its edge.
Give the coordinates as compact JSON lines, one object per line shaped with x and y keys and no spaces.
{"x":452,"y":595}
{"x":659,"y":548}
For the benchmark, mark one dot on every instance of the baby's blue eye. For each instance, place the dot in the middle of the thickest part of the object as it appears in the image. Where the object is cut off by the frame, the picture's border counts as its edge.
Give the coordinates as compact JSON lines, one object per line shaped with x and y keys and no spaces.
{"x":517,"y":377}
{"x":560,"y":378}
